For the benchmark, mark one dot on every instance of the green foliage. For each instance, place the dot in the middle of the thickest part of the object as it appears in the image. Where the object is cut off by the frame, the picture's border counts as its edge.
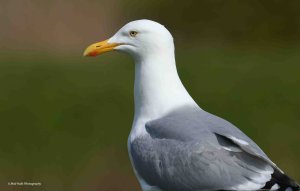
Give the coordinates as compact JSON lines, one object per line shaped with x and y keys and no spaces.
{"x":65,"y":121}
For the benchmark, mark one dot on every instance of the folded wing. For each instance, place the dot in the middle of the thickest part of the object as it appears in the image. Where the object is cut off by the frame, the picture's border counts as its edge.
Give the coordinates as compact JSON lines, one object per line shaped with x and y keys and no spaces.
{"x":190,"y":149}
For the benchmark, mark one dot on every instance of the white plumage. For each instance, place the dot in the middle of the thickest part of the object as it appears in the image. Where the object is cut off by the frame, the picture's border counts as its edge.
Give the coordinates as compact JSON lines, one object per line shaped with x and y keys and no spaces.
{"x":174,"y":145}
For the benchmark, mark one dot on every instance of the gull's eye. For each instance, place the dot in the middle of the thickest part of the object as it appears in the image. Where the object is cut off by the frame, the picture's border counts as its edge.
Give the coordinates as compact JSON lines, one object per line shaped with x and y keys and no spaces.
{"x":133,"y":33}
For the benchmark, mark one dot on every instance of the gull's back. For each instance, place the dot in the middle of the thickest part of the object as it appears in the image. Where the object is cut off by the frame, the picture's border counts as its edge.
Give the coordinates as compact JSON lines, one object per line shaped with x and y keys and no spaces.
{"x":190,"y":150}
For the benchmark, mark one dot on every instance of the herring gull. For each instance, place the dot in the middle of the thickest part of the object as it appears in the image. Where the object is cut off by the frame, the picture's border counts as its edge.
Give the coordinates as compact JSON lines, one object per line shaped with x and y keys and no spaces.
{"x":174,"y":145}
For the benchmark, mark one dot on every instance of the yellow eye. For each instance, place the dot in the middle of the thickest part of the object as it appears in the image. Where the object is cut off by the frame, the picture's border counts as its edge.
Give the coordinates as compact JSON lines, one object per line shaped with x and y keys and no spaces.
{"x":133,"y":33}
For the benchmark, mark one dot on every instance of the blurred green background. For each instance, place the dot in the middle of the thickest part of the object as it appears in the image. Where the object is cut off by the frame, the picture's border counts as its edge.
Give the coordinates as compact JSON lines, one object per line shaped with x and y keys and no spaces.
{"x":58,"y":125}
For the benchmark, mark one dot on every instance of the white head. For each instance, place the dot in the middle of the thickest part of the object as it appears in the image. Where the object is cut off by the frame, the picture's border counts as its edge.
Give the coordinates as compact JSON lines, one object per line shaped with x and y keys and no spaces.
{"x":157,"y":87}
{"x":138,"y":38}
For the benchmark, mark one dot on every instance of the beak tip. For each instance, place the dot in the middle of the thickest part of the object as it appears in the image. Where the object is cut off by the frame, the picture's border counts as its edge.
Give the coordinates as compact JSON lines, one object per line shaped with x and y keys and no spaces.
{"x":86,"y":52}
{"x":99,"y":48}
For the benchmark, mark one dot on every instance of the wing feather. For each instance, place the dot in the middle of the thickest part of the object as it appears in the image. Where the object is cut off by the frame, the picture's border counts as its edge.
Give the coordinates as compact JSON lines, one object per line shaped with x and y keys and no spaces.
{"x":190,"y":149}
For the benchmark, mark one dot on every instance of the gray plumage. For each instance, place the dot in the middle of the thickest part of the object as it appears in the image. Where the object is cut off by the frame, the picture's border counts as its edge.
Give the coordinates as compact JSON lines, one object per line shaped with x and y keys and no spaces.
{"x":190,"y":149}
{"x":186,"y":149}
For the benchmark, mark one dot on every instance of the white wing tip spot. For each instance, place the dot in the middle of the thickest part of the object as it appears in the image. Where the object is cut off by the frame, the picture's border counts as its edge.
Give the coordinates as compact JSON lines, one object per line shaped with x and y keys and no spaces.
{"x":289,"y":189}
{"x":275,"y":187}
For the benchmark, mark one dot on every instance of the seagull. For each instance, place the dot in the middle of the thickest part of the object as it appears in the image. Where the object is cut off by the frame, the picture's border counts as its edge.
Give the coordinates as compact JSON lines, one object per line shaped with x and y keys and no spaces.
{"x":174,"y":145}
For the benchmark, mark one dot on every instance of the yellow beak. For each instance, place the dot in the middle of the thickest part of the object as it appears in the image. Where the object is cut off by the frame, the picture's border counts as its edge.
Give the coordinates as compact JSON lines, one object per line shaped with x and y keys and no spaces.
{"x":99,"y":48}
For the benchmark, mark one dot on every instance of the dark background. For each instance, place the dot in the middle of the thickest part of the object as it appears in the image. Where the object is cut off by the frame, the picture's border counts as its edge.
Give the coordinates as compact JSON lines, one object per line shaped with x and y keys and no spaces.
{"x":64,"y":119}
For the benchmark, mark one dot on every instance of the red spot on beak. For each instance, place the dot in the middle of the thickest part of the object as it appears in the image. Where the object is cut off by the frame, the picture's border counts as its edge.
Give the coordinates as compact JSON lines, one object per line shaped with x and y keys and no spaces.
{"x":94,"y":53}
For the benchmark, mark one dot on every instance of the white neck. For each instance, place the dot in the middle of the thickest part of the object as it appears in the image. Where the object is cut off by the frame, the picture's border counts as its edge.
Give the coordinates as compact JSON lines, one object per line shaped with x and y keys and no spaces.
{"x":157,"y":88}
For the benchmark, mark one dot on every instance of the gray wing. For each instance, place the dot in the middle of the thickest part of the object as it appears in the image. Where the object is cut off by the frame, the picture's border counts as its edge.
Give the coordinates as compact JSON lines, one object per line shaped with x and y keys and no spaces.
{"x":190,"y":149}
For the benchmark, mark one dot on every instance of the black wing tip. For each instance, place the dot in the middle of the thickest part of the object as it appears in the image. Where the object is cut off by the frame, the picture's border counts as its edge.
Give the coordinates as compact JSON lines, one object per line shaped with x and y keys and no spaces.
{"x":284,"y":182}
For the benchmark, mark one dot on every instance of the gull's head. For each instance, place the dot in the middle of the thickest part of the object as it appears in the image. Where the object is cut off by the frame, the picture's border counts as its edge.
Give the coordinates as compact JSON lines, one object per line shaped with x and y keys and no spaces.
{"x":137,"y":38}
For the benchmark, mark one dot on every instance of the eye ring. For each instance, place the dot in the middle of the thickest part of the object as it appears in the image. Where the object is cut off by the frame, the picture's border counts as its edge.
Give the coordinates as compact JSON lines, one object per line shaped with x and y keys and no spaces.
{"x":133,"y":33}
